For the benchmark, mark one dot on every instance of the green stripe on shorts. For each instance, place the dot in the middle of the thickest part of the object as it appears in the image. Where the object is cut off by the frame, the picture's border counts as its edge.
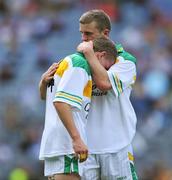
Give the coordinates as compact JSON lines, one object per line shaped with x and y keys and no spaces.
{"x":70,"y":164}
{"x":67,"y":165}
{"x":133,"y":171}
{"x":75,"y":165}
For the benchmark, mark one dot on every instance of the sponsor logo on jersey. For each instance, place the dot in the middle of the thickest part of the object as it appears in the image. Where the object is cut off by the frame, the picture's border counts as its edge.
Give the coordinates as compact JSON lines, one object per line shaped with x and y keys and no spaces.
{"x":97,"y":92}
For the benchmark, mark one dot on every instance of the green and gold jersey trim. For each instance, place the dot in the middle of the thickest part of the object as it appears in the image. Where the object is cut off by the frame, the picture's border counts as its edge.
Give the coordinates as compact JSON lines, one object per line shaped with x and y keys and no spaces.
{"x":69,"y":97}
{"x":118,"y":84}
{"x":76,"y":60}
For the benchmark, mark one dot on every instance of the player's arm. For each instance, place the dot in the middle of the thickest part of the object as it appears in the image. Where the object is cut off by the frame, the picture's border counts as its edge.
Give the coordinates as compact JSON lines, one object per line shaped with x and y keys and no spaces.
{"x":65,"y":114}
{"x":99,"y":73}
{"x":69,"y":96}
{"x":45,"y":79}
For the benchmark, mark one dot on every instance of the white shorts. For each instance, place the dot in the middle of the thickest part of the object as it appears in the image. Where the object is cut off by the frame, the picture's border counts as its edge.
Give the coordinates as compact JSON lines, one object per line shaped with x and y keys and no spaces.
{"x":65,"y":164}
{"x":110,"y":166}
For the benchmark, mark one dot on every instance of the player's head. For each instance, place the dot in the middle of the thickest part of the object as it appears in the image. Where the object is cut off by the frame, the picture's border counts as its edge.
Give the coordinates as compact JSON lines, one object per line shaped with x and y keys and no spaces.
{"x":105,"y":51}
{"x":93,"y":24}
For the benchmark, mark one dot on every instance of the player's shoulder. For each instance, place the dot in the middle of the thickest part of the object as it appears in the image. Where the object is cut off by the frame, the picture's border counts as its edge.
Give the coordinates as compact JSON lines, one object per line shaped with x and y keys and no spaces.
{"x":78,"y":60}
{"x":124,"y":54}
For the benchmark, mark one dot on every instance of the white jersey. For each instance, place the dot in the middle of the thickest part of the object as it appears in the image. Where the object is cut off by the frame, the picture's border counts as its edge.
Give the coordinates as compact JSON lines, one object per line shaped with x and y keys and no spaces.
{"x":112,"y":121}
{"x":72,"y":85}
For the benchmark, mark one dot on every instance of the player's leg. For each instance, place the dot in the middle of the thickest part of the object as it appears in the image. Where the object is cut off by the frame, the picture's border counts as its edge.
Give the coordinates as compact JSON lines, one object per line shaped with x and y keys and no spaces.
{"x":91,"y":169}
{"x":115,"y":166}
{"x":65,"y":167}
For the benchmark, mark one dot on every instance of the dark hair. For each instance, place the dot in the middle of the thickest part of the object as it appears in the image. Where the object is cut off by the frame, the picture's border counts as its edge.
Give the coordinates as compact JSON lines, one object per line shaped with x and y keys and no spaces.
{"x":99,"y":16}
{"x":104,"y":44}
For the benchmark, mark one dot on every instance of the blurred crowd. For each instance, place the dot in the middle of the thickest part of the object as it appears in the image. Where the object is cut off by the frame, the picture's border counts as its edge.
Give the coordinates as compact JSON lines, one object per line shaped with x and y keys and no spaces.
{"x":34,"y":34}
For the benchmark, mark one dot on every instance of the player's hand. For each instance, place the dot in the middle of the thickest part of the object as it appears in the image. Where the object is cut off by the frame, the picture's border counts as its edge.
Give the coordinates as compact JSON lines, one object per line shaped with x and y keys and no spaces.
{"x":49,"y":74}
{"x":80,"y":149}
{"x":85,"y":47}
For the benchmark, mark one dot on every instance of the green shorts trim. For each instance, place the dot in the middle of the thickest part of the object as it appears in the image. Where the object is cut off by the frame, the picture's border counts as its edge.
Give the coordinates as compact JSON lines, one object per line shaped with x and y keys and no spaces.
{"x":70,"y":164}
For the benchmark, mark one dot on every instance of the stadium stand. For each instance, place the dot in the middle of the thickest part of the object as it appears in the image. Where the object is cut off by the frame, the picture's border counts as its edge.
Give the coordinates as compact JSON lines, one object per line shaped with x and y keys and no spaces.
{"x":33,"y":34}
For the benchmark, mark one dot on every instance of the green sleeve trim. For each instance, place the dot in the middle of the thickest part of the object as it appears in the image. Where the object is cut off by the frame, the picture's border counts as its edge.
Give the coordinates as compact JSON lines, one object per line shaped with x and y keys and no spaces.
{"x":70,"y":95}
{"x":116,"y":85}
{"x":69,"y":100}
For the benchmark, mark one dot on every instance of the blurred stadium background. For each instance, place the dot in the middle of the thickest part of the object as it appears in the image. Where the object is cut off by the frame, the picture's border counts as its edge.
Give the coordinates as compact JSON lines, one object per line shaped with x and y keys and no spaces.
{"x":35,"y":33}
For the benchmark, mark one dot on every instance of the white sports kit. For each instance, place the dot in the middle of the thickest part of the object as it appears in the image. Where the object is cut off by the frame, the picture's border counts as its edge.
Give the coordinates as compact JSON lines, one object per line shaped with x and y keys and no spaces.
{"x":72,"y":85}
{"x":112,"y":124}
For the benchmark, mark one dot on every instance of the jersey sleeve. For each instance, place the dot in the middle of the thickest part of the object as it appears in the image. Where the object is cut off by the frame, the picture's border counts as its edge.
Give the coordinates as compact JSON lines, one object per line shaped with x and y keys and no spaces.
{"x":71,"y":86}
{"x":122,"y":75}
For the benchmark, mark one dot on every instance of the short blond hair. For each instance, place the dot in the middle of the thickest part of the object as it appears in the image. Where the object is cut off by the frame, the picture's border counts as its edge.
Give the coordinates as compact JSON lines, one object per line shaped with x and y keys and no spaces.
{"x":96,"y":15}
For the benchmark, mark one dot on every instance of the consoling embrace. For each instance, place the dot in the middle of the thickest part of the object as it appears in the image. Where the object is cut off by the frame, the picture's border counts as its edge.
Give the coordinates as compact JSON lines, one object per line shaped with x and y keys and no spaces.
{"x":88,"y":131}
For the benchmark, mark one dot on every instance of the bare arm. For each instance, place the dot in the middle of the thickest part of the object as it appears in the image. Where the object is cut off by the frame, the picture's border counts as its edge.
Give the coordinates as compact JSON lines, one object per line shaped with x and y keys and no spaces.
{"x":45,"y":79}
{"x":99,"y":73}
{"x":65,"y":114}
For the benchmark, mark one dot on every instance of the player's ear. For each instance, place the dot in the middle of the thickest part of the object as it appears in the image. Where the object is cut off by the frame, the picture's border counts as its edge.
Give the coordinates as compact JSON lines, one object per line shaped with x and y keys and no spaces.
{"x":103,"y":53}
{"x":106,"y":32}
{"x":100,"y":55}
{"x":97,"y":55}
